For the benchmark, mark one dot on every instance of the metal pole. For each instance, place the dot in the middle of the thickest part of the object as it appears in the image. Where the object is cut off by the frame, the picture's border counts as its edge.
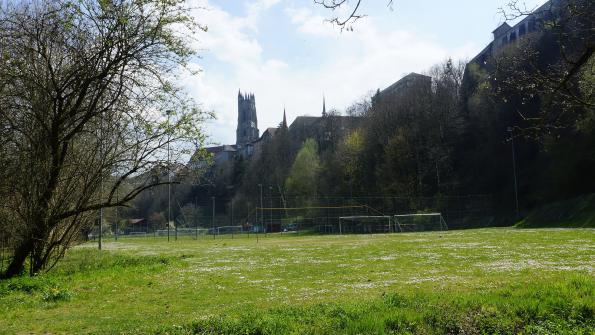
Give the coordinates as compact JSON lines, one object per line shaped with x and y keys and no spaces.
{"x":168,"y":179}
{"x":175,"y":230}
{"x":256,"y":214}
{"x":196,"y":215}
{"x":101,"y":217}
{"x":261,"y":209}
{"x":271,"y":207}
{"x":213,"y":218}
{"x":516,"y":192}
{"x":117,"y":199}
{"x":100,"y":181}
{"x":231,"y":224}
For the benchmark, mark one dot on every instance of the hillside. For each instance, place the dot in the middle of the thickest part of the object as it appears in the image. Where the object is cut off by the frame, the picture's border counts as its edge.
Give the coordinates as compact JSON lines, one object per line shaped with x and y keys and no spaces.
{"x":574,"y":213}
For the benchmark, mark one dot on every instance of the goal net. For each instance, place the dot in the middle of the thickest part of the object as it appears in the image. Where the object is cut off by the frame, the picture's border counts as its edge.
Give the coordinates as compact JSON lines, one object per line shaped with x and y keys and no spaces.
{"x":419,"y":222}
{"x":366,"y":224}
{"x":229,"y":230}
{"x":308,"y":219}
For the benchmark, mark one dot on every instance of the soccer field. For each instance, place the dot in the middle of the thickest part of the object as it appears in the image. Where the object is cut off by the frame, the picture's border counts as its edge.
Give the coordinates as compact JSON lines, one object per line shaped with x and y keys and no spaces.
{"x":500,"y":280}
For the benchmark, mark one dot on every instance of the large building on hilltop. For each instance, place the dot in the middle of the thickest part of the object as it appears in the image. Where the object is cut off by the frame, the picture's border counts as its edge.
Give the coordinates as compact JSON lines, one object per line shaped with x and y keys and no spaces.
{"x":249,"y":142}
{"x":506,"y":35}
{"x":410,"y":83}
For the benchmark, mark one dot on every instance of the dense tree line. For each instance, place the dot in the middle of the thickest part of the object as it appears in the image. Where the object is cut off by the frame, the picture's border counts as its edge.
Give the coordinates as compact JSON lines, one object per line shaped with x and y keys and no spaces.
{"x":454,"y":136}
{"x":458,"y":135}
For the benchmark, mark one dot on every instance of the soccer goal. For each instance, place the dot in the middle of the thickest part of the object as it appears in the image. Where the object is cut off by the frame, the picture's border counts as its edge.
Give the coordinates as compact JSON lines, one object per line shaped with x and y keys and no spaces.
{"x":365,"y":224}
{"x":419,"y":222}
{"x":307,"y":219}
{"x":229,"y":230}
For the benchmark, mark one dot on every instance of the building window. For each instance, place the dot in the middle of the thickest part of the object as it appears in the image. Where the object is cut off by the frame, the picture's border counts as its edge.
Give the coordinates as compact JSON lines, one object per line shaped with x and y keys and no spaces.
{"x":512,"y":37}
{"x":522,"y":30}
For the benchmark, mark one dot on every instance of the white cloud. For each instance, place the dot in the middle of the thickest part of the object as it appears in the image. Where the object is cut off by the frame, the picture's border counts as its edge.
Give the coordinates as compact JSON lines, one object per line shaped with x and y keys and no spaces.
{"x":359,"y":61}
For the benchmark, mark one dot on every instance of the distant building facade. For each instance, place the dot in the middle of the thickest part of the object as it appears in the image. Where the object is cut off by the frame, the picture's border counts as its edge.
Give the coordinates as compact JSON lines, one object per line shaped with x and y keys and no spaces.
{"x":323,"y":129}
{"x":410,"y":83}
{"x":505,"y":34}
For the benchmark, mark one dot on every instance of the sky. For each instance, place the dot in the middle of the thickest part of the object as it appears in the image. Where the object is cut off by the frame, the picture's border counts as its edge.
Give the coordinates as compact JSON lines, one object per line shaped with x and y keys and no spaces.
{"x":289,"y":55}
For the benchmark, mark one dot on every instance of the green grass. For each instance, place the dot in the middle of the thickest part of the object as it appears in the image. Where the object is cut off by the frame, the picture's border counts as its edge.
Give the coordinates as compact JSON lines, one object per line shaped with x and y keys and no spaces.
{"x":485,"y":281}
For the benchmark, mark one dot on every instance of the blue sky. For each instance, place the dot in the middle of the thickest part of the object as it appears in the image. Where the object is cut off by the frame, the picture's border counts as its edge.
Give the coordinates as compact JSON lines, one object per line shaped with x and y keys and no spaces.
{"x":285,"y":52}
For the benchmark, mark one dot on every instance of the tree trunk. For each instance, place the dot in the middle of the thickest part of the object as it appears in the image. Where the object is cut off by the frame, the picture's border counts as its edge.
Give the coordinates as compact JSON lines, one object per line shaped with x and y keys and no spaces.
{"x":17,"y":265}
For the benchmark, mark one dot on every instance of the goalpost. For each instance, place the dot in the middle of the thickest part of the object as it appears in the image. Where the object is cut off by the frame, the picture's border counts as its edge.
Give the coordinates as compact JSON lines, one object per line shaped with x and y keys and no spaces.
{"x":365,"y":224}
{"x":229,"y":230}
{"x":420,"y":222}
{"x":321,"y":219}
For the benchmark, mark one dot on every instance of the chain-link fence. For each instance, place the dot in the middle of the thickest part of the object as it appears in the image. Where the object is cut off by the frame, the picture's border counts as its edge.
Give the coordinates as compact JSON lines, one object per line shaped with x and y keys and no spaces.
{"x":321,"y":215}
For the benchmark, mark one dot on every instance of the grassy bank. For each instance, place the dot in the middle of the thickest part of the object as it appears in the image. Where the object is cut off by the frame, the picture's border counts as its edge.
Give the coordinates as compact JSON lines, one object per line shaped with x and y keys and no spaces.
{"x":474,"y":281}
{"x":562,"y":307}
{"x":573,"y":213}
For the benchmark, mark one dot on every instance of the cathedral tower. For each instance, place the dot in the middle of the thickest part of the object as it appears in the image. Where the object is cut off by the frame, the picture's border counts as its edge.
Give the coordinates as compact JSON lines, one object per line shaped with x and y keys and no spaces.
{"x":247,"y":130}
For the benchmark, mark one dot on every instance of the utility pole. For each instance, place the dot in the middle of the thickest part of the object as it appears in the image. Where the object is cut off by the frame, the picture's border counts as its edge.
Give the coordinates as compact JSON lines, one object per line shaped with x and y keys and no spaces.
{"x":516,"y":192}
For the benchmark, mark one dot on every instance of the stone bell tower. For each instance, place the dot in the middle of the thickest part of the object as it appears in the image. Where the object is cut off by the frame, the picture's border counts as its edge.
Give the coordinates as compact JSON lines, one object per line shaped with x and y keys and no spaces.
{"x":247,"y":130}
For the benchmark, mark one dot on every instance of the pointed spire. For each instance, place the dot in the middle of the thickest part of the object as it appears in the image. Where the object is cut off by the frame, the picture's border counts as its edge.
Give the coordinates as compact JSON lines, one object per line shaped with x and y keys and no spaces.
{"x":284,"y":124}
{"x":323,"y":106}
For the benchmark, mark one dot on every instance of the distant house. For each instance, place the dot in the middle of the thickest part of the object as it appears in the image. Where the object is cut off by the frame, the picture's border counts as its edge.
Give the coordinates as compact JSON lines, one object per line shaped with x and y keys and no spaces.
{"x":136,"y":226}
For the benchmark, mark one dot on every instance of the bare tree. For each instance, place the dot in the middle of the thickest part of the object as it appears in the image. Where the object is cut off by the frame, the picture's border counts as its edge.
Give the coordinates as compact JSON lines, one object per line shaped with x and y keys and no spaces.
{"x":84,"y":90}
{"x":353,"y":12}
{"x":361,"y":106}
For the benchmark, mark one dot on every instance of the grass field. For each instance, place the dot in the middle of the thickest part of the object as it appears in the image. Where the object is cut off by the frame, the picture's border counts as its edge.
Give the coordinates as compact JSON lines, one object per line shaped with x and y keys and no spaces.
{"x":491,"y":281}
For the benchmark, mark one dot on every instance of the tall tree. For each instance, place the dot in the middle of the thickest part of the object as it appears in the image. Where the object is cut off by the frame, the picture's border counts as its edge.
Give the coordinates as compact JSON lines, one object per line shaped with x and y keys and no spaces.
{"x":84,"y":90}
{"x":302,"y":178}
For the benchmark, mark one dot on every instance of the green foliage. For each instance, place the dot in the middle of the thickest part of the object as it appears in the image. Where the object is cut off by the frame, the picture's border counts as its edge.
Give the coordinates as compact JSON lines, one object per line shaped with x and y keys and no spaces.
{"x":302,"y":179}
{"x":39,"y":288}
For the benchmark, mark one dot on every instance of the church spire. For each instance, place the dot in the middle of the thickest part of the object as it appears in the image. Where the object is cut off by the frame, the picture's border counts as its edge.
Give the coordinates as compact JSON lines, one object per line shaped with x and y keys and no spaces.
{"x":284,"y":124}
{"x":323,"y":106}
